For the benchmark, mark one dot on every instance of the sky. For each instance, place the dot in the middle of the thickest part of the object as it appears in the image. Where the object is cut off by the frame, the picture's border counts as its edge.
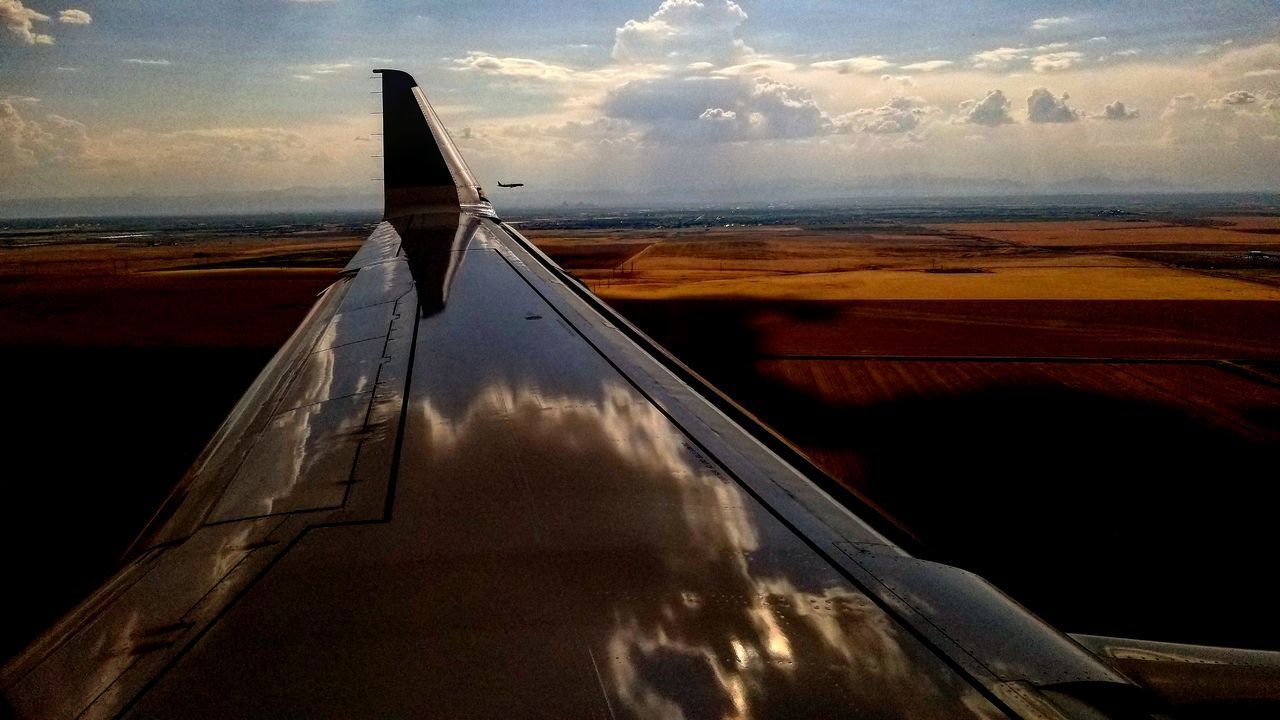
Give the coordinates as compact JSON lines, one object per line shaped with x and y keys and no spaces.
{"x":677,"y":99}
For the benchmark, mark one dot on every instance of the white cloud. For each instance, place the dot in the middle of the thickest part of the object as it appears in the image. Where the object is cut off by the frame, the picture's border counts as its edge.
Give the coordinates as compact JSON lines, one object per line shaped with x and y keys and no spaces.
{"x":1266,"y":72}
{"x":1050,"y":62}
{"x":1043,"y":107}
{"x":523,"y":68}
{"x":928,"y":65}
{"x":1236,"y":97}
{"x":1050,"y":22}
{"x":1239,"y":119}
{"x":75,"y":17}
{"x":718,"y":109}
{"x":330,"y":68}
{"x":1241,"y":61}
{"x":20,"y":21}
{"x":1001,"y":58}
{"x":991,"y":110}
{"x":684,"y":31}
{"x":757,"y":67}
{"x":147,"y":61}
{"x":1117,"y":111}
{"x":860,"y":64}
{"x":26,"y":143}
{"x":900,"y":115}
{"x":718,"y":114}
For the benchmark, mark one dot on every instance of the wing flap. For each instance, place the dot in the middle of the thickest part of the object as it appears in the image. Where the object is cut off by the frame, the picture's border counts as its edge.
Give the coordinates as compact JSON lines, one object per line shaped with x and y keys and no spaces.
{"x":316,"y":432}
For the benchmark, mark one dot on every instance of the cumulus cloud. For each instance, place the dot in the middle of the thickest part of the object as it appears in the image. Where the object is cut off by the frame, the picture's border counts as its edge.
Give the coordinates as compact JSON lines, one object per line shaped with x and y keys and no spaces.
{"x":20,"y":21}
{"x":1238,"y":118}
{"x":1043,"y":107}
{"x":860,"y":64}
{"x":901,"y":114}
{"x":1050,"y":22}
{"x":671,"y":99}
{"x":991,"y":110}
{"x":73,"y":16}
{"x":718,"y":109}
{"x":1236,"y":97}
{"x":928,"y":65}
{"x":684,"y":31}
{"x":1242,"y":61}
{"x":1043,"y":58}
{"x":718,"y":114}
{"x":1050,"y":62}
{"x":781,"y":110}
{"x":27,"y":143}
{"x":1117,"y":111}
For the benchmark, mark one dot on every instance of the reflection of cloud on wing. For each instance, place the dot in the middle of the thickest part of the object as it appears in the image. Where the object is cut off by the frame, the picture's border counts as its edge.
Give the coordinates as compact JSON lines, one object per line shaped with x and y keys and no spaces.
{"x":725,"y":613}
{"x":634,"y":429}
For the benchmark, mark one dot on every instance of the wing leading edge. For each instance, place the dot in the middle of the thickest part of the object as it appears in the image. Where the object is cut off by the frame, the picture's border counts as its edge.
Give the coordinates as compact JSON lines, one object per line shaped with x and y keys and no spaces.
{"x":465,"y":487}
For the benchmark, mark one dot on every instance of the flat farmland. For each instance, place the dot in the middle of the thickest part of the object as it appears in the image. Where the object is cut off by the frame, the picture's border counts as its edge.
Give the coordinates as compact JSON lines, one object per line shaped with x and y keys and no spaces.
{"x":125,"y":355}
{"x":1089,"y":491}
{"x":1220,"y":231}
{"x":1080,"y":411}
{"x":1161,"y":329}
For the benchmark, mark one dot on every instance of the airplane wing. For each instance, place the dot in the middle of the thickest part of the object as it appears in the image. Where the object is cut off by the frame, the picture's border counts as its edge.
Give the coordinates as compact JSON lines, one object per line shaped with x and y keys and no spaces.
{"x":467,"y":488}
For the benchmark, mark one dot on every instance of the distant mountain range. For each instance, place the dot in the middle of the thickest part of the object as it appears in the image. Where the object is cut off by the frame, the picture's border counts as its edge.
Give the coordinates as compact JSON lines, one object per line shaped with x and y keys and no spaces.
{"x":295,"y":199}
{"x":808,"y":189}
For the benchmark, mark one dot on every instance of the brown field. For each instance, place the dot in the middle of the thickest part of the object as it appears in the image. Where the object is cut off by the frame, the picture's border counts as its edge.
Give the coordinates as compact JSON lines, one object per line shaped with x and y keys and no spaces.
{"x":122,"y":359}
{"x":1122,"y":261}
{"x":1247,"y":331}
{"x":1079,"y":411}
{"x":1242,"y":231}
{"x":196,"y":292}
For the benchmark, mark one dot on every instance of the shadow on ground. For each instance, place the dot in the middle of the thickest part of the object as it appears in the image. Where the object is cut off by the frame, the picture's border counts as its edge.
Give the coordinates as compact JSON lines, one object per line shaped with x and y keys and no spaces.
{"x":94,"y":440}
{"x":1103,"y":514}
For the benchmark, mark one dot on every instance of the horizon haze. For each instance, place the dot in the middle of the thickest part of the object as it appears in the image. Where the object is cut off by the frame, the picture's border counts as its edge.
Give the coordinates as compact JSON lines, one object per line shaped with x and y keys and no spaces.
{"x":696,"y":100}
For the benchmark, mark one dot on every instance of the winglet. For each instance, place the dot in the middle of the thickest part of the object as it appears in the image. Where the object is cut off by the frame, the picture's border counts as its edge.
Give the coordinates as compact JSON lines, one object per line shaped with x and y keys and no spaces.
{"x":423,"y":170}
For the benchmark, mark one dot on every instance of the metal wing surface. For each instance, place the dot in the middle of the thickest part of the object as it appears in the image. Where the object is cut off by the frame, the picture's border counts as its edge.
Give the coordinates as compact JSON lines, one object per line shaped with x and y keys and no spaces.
{"x":466,"y":488}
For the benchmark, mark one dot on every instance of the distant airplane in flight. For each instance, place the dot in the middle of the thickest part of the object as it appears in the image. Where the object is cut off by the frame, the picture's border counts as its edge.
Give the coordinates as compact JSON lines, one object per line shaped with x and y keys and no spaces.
{"x":467,"y":488}
{"x":509,"y":185}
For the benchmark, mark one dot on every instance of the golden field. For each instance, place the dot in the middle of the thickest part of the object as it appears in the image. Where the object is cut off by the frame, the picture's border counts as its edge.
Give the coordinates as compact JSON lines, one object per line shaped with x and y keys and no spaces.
{"x":1079,"y":411}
